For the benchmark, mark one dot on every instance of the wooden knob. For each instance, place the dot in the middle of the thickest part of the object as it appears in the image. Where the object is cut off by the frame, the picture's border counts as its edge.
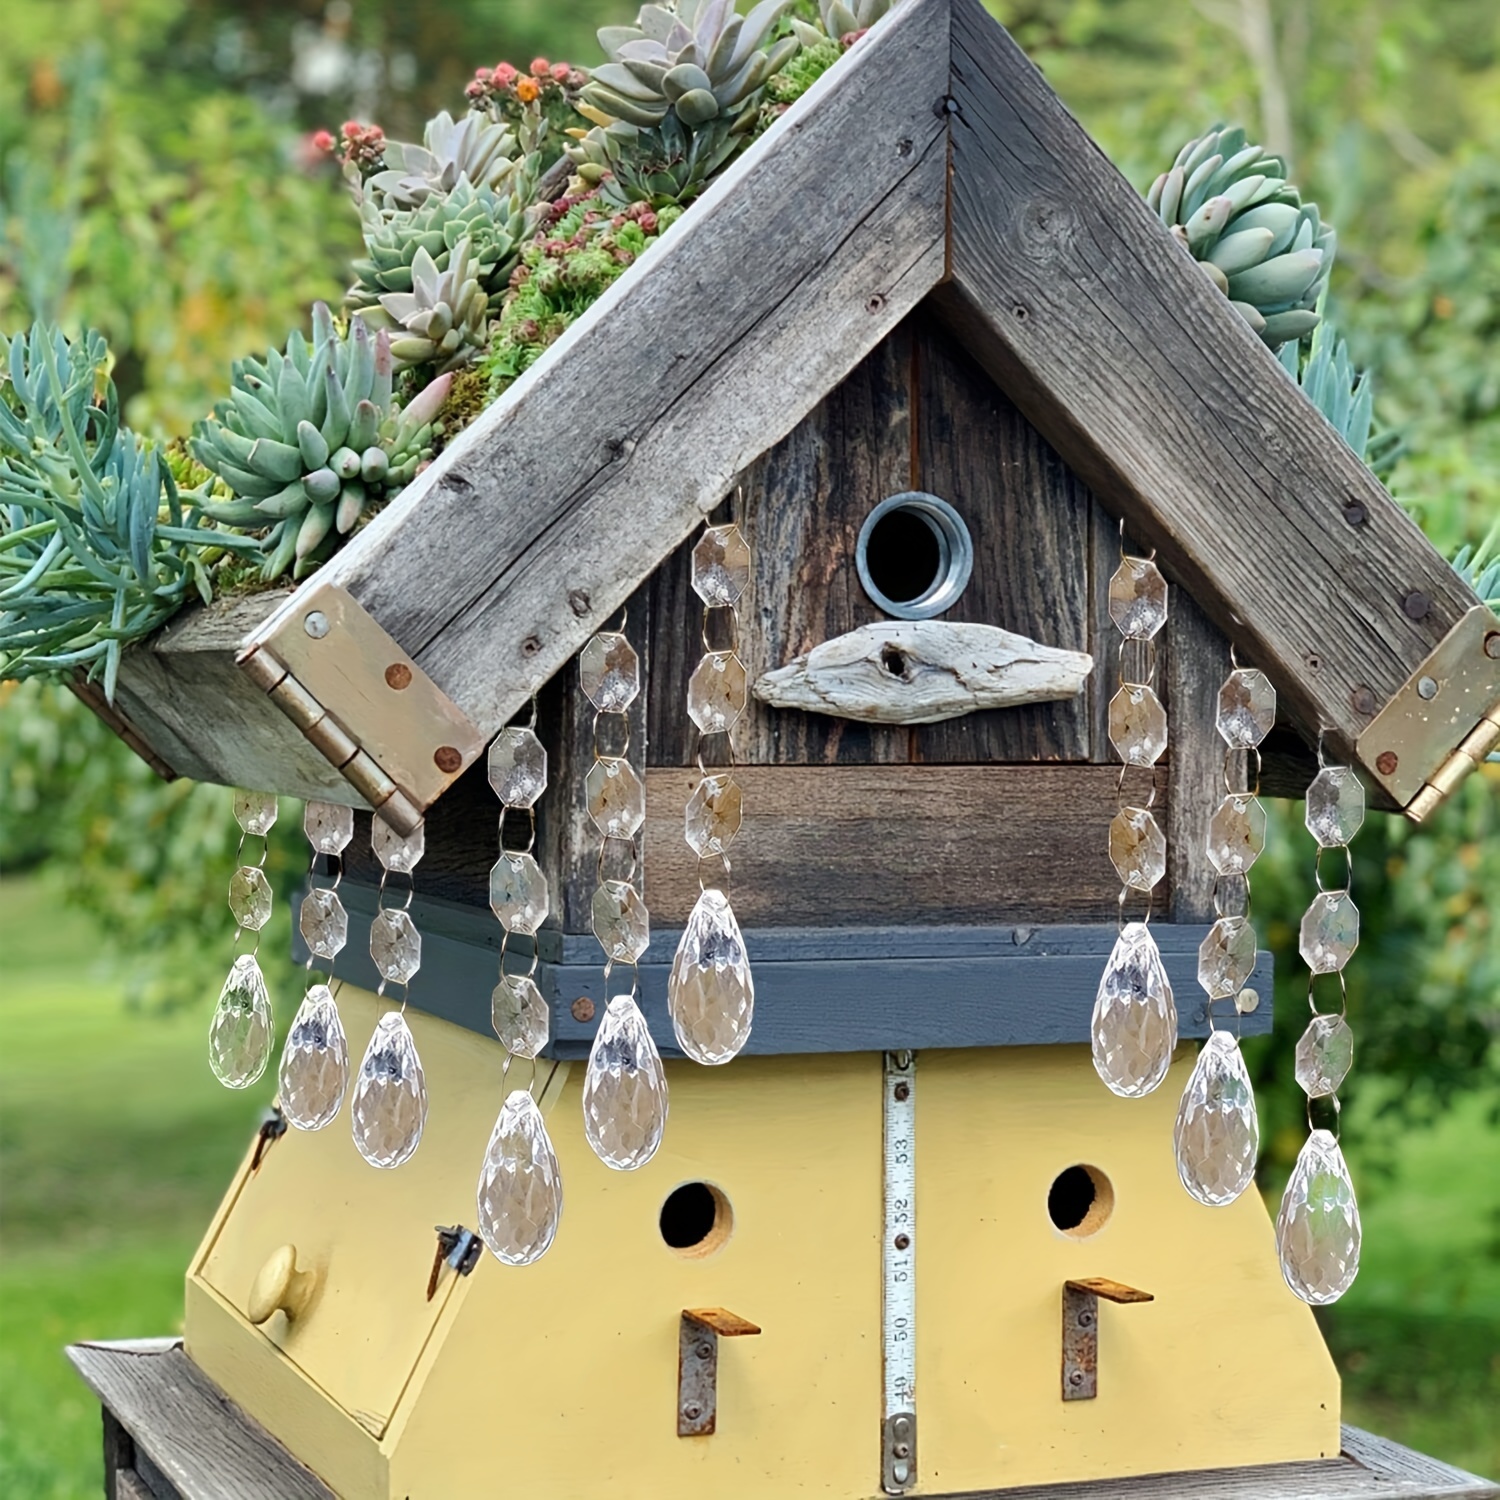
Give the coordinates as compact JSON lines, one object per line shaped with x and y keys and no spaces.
{"x":280,"y":1285}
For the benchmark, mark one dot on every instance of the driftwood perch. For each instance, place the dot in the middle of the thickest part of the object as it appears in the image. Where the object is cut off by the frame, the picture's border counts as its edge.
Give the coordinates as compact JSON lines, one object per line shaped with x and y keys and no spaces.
{"x":923,"y":671}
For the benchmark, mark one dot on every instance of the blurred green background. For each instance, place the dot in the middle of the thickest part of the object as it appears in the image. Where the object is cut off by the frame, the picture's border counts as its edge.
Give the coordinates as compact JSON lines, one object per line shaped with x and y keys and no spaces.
{"x":156,"y":182}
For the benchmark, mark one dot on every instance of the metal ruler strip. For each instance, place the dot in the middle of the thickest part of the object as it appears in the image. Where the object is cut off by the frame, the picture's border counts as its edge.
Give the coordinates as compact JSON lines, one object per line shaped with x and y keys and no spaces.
{"x":898,"y":1298}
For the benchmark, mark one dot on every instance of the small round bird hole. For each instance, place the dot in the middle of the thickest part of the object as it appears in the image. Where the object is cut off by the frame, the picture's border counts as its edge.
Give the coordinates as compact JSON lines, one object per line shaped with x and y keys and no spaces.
{"x":696,"y":1219}
{"x":1080,"y":1201}
{"x":914,"y":555}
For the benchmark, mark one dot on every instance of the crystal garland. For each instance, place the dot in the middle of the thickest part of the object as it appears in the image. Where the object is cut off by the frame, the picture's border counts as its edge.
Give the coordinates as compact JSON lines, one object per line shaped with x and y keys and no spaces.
{"x":624,"y":1085}
{"x":243,"y":1030}
{"x":519,"y":1197}
{"x":314,"y":1074}
{"x":710,"y":991}
{"x":1217,"y":1134}
{"x":1317,"y":1228}
{"x":1134,"y":1026}
{"x":389,"y":1107}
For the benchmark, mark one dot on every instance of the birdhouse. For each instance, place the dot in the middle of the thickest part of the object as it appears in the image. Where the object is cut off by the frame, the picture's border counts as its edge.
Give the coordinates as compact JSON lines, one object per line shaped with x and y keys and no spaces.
{"x":940,"y":369}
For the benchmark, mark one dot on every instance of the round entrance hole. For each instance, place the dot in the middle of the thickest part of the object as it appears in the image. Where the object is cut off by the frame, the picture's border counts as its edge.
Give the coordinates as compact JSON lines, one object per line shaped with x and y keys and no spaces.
{"x":1080,"y":1201}
{"x":696,"y":1219}
{"x":914,"y":555}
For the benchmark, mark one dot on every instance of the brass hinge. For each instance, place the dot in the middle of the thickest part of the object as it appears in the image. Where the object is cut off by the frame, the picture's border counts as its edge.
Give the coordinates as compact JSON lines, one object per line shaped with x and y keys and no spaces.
{"x":360,"y":700}
{"x":1442,"y":722}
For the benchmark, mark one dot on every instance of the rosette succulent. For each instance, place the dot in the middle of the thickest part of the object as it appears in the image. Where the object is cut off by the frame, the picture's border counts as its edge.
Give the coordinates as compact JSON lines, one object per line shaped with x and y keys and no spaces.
{"x":661,"y":167}
{"x":474,"y":147}
{"x":443,"y":320}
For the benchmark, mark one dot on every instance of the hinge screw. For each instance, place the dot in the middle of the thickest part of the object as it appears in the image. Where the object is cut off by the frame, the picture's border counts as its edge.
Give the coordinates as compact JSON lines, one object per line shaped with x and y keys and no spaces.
{"x":1492,"y":645}
{"x":1386,"y":762}
{"x":316,"y":624}
{"x":1427,"y":687}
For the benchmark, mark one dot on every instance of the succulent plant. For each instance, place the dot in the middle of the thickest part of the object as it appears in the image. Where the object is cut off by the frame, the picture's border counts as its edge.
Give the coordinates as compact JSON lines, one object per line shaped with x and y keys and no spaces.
{"x":1344,"y":395}
{"x":443,"y":320}
{"x":696,"y":62}
{"x":845,"y":18}
{"x":309,"y":441}
{"x":474,"y":147}
{"x":95,"y":549}
{"x":1269,"y":252}
{"x":663,"y":166}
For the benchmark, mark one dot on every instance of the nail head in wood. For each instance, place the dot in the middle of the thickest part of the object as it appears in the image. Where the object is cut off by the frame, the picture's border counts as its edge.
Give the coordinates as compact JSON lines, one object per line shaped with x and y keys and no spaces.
{"x":398,"y":675}
{"x":582,"y":1009}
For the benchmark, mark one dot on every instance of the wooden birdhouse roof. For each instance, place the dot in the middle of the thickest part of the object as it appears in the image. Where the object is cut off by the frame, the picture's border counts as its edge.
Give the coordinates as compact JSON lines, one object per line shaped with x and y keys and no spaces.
{"x":932,"y":164}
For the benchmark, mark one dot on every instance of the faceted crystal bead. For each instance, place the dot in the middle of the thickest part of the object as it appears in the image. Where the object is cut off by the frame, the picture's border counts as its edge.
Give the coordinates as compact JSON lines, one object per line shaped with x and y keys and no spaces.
{"x":1137,"y":725}
{"x":519,"y":1015}
{"x":609,"y":672}
{"x":389,"y":1107}
{"x":1236,"y":834}
{"x":314,"y":1063}
{"x":1325,"y":1053}
{"x":1217,"y":1133}
{"x":710,"y":992}
{"x":1226,"y":957}
{"x":328,"y":827}
{"x":518,"y":767}
{"x":1330,"y":932}
{"x":324,"y":924}
{"x":717,"y":692}
{"x":624,"y":1089}
{"x":395,"y":945}
{"x":520,"y":1187}
{"x":518,"y":892}
{"x":1138,"y":598}
{"x":721,"y":566}
{"x":1138,"y":848}
{"x":1247,"y":708}
{"x":616,"y":797}
{"x":1134,"y":1026}
{"x":400,"y":855}
{"x":240,"y":1035}
{"x":621,"y":921}
{"x":250,"y":897}
{"x":255,"y":812}
{"x":1317,"y":1229}
{"x":714,"y":813}
{"x":1335,"y":806}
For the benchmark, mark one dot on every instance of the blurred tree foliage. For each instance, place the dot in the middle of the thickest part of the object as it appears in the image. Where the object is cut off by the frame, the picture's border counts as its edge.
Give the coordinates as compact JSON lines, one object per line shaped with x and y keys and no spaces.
{"x":153,"y":149}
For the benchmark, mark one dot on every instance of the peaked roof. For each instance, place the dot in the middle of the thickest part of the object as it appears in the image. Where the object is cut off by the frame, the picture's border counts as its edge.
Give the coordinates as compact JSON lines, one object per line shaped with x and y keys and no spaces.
{"x":933,"y":160}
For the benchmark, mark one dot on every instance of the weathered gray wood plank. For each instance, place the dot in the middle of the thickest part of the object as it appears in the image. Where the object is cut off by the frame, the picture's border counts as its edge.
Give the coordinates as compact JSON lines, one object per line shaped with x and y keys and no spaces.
{"x":203,"y":1444}
{"x":1075,"y":299}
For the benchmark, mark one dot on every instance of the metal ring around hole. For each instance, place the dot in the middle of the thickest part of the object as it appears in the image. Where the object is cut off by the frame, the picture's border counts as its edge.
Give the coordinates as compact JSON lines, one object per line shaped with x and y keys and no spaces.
{"x":955,"y":555}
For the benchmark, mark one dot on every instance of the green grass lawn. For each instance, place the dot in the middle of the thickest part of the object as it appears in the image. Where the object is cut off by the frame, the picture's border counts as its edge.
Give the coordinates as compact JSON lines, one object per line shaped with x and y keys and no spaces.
{"x":115,"y":1143}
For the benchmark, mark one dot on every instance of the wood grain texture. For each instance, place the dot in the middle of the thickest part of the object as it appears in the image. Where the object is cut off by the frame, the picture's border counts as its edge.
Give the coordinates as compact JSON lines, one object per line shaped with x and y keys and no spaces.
{"x":1076,"y":300}
{"x":199,"y":1440}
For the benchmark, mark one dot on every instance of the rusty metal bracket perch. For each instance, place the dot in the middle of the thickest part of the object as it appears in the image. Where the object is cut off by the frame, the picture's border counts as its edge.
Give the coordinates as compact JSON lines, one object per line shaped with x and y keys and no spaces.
{"x":1080,"y":1331}
{"x":360,"y":700}
{"x":698,"y":1366}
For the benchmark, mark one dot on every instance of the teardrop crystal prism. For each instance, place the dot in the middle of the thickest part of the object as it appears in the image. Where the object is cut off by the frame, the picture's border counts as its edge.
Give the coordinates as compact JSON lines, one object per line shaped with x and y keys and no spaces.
{"x":314,"y":1071}
{"x":624,"y":1089}
{"x":1217,"y":1133}
{"x":520,"y":1189}
{"x":710,"y":991}
{"x":242,"y":1030}
{"x":1134,"y":1027}
{"x":389,"y":1107}
{"x":1317,"y":1229}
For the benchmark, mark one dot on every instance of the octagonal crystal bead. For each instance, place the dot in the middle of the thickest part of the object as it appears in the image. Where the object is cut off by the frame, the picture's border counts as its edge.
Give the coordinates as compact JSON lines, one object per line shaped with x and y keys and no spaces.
{"x":616,"y":797}
{"x":1330,"y":932}
{"x":328,"y":827}
{"x":519,"y":1015}
{"x":1138,"y":598}
{"x":1325,"y":1053}
{"x":721,"y":566}
{"x":621,"y":921}
{"x":399,"y":853}
{"x":250,"y":897}
{"x":717,"y":692}
{"x":609,"y":672}
{"x":518,"y":892}
{"x":1317,"y":1228}
{"x":324,"y":924}
{"x":518,"y":767}
{"x":1226,"y":957}
{"x":714,"y":813}
{"x":1335,"y":806}
{"x":1138,"y":848}
{"x":314,"y":1072}
{"x":1137,"y":725}
{"x":1247,"y":708}
{"x":395,"y":945}
{"x":1236,"y":834}
{"x":255,"y":812}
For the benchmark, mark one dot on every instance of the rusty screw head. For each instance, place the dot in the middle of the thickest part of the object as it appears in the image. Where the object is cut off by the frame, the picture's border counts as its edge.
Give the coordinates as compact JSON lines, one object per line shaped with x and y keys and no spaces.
{"x":398,"y":675}
{"x":903,"y":1092}
{"x":1416,"y":604}
{"x":1386,"y":762}
{"x":1355,"y":513}
{"x":692,"y":1411}
{"x":903,"y":1241}
{"x":704,"y":1351}
{"x":447,"y":759}
{"x":582,"y":1009}
{"x":1085,"y":1320}
{"x":531,"y":645}
{"x":1364,"y":701}
{"x":1075,"y":1377}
